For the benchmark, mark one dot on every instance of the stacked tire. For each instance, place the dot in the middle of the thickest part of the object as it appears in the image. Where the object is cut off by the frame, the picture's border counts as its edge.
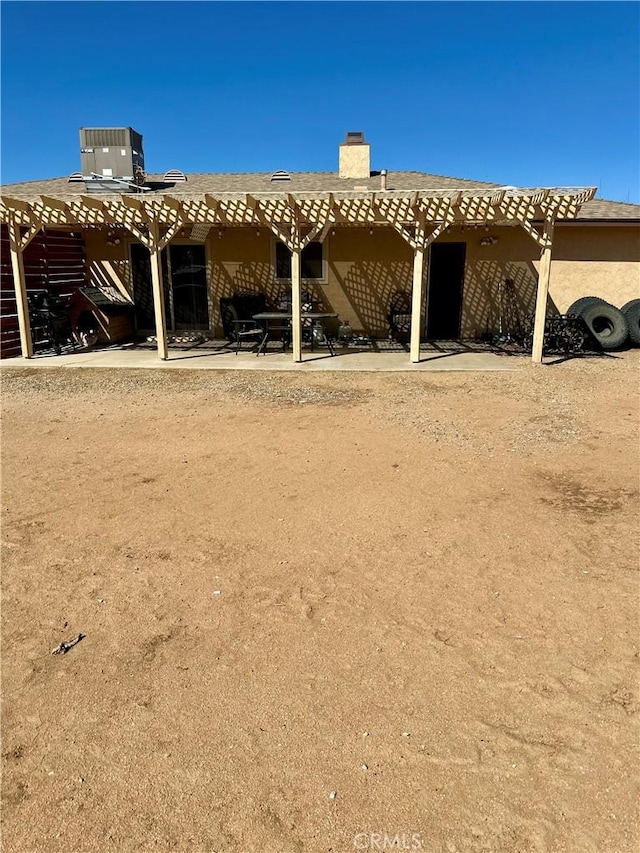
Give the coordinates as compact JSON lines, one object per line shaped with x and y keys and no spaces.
{"x":608,"y":326}
{"x":631,"y":313}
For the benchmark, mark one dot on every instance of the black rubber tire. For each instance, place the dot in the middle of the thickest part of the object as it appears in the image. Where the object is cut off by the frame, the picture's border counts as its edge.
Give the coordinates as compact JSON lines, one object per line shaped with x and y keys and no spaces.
{"x":606,"y":324}
{"x":631,"y":312}
{"x":577,"y":306}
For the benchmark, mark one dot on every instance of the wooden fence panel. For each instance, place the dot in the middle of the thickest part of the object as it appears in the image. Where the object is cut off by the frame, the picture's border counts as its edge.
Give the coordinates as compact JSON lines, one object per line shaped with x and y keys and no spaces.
{"x":53,"y":261}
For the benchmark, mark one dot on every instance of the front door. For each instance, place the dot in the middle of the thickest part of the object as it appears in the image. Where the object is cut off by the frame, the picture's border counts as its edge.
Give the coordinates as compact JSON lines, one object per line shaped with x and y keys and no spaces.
{"x":444,"y":293}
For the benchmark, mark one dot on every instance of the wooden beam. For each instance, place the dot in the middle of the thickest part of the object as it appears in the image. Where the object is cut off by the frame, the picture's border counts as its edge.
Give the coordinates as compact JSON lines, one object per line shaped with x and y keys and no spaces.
{"x":171,"y":233}
{"x":158,"y":291}
{"x":544,"y":275}
{"x":173,"y":204}
{"x":19,"y":283}
{"x":54,"y":204}
{"x":531,"y":230}
{"x":28,"y":237}
{"x":142,"y":236}
{"x":382,"y":212}
{"x":291,"y":239}
{"x":406,"y":235}
{"x":296,"y":319}
{"x":16,"y":204}
{"x":34,"y":223}
{"x":318,"y":230}
{"x":417,"y":298}
{"x":215,"y":206}
{"x":325,"y":230}
{"x":433,"y":236}
{"x":133,"y":204}
{"x":91,"y":201}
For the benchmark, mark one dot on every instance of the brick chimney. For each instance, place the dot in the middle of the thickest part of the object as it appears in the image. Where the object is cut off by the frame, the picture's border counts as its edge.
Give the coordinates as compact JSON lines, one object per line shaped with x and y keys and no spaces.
{"x":355,"y":157}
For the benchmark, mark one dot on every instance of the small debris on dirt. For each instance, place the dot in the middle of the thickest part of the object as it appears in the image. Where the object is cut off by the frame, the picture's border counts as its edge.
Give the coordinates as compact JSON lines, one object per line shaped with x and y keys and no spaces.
{"x":333,"y":795}
{"x":63,"y":648}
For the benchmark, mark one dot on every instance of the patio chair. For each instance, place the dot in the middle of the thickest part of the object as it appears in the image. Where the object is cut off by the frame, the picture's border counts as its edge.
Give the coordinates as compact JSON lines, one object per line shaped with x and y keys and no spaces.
{"x":237,"y":328}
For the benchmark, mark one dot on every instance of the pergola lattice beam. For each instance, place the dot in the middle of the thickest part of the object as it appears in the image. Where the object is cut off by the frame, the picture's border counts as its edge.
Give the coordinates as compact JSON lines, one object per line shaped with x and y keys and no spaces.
{"x":364,"y":209}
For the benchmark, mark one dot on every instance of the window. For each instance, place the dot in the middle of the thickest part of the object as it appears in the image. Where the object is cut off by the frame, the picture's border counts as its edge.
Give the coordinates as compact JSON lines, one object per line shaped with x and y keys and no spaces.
{"x":311,"y":261}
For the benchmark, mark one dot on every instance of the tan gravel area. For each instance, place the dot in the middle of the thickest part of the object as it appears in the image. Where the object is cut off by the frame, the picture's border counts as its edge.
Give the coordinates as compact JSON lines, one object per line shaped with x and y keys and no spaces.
{"x":329,"y":613}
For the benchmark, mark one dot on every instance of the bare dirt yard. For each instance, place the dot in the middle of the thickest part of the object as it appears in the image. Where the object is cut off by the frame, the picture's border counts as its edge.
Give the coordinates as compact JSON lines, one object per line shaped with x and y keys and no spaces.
{"x":329,"y":613}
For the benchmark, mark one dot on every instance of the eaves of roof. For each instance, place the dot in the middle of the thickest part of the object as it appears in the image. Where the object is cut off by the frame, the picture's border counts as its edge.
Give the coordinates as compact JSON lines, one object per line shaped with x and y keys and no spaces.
{"x":311,"y":182}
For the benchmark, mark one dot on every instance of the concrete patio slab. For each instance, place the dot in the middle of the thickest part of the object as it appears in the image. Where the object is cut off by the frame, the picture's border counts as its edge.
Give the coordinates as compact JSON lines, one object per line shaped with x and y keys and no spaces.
{"x":223,"y":359}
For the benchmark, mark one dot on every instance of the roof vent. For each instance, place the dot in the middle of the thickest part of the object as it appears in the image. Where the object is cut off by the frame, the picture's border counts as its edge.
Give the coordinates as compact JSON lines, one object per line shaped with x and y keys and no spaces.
{"x":281,"y":175}
{"x":175,"y":176}
{"x":75,"y":177}
{"x":354,"y":137}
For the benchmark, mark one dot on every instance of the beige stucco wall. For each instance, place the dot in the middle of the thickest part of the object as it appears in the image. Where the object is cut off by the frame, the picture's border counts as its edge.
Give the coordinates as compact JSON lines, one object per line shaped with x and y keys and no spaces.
{"x":595,"y":261}
{"x":363,"y":270}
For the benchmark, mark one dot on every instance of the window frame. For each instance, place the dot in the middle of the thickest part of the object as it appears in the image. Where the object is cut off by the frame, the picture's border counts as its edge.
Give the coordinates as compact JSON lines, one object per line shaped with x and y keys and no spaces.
{"x":323,"y":279}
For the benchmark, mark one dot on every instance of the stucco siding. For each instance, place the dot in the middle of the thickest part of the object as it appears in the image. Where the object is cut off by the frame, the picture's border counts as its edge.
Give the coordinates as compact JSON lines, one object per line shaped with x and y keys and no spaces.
{"x":363,"y":270}
{"x":595,"y":261}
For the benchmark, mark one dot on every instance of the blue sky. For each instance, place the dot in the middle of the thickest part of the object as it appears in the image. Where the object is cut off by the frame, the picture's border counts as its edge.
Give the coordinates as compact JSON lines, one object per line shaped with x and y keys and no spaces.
{"x":518,"y":93}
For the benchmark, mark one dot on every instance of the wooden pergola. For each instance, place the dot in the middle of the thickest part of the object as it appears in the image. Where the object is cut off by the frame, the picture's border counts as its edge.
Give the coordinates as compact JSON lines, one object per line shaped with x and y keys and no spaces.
{"x":419,"y":217}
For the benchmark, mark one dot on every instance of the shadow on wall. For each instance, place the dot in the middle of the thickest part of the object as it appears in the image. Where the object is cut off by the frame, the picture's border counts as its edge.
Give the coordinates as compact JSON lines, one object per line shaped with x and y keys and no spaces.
{"x":490,"y":305}
{"x":368,"y":288}
{"x":259,"y":276}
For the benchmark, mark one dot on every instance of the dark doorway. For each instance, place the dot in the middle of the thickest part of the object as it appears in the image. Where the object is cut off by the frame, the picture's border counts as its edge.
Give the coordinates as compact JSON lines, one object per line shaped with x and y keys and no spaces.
{"x":143,"y":290}
{"x":184,"y":278}
{"x":189,"y":287}
{"x":444,"y":293}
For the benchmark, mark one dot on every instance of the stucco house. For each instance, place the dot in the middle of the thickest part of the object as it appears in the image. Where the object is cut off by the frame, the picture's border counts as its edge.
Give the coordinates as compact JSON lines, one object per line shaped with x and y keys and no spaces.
{"x":174,"y":245}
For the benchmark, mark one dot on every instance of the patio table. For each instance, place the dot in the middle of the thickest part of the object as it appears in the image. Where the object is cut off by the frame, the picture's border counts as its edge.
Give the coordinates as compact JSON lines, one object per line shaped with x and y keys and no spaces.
{"x":280,"y":321}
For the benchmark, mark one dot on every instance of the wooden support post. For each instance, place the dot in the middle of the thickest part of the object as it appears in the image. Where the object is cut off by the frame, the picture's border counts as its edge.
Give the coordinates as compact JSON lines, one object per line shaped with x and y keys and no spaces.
{"x":296,"y":319}
{"x":158,"y":298}
{"x":544,"y":275}
{"x":417,"y":298}
{"x":17,"y":266}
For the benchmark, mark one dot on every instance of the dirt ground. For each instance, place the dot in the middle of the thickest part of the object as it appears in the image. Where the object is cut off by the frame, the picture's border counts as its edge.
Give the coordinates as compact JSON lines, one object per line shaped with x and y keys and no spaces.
{"x":346,"y":612}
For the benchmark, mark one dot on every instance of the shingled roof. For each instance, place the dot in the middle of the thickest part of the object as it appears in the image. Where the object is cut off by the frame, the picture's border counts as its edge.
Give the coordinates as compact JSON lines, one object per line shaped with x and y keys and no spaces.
{"x":308,"y":182}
